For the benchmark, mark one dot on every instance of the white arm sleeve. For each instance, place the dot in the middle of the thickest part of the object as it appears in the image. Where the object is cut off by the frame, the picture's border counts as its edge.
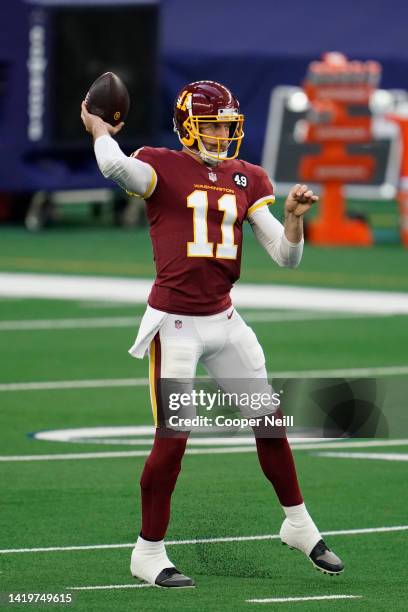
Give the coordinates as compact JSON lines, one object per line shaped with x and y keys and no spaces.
{"x":133,"y":175}
{"x":270,"y":233}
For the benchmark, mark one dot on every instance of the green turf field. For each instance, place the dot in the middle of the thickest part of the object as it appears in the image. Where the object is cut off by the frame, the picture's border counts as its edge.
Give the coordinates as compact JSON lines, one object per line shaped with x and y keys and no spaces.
{"x":93,"y":501}
{"x":76,"y":247}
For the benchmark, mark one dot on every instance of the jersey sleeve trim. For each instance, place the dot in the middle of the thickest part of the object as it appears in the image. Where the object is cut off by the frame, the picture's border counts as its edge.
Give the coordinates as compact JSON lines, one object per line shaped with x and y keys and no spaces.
{"x":149,"y":190}
{"x":152,"y":185}
{"x":265,"y":201}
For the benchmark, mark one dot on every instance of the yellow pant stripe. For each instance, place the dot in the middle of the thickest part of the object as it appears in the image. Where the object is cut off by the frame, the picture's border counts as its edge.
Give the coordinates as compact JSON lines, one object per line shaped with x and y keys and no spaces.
{"x":152,"y":381}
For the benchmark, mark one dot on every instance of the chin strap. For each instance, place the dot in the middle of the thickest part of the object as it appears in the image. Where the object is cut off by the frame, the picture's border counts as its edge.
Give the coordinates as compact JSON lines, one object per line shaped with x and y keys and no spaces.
{"x":209,"y":161}
{"x":208,"y":156}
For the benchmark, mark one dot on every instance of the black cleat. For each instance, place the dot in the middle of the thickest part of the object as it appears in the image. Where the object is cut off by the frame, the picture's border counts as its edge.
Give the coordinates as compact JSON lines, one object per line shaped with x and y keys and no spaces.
{"x":172,"y":578}
{"x":325,"y":560}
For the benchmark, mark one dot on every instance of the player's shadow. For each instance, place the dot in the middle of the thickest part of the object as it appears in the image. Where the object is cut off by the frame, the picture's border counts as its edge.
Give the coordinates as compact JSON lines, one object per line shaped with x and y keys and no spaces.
{"x":237,"y":559}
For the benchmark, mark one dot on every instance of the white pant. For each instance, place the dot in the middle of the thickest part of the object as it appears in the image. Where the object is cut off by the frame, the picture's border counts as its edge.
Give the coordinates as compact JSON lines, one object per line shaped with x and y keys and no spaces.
{"x":223,"y":343}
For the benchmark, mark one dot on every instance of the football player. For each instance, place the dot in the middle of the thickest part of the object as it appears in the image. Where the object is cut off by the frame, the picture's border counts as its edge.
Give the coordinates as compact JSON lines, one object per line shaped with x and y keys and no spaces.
{"x":197,"y":200}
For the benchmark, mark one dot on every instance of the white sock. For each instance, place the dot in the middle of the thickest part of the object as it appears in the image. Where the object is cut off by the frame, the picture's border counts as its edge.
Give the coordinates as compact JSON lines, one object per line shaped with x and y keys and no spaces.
{"x":149,"y":559}
{"x":298,"y":529}
{"x":297,"y":515}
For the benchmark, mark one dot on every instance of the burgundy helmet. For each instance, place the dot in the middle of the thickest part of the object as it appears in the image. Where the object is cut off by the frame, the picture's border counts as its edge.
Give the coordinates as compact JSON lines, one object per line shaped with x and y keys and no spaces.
{"x":204,"y":102}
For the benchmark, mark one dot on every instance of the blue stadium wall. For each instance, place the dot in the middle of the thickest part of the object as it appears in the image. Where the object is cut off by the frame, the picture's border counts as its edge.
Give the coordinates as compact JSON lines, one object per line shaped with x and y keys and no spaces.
{"x":254,"y":45}
{"x":251,"y":46}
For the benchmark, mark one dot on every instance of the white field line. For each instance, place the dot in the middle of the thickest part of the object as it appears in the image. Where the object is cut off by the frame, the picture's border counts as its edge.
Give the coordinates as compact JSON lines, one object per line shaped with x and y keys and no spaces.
{"x":106,"y":587}
{"x":135,"y":291}
{"x":196,"y":451}
{"x":310,"y":598}
{"x":120,"y":454}
{"x":83,"y":323}
{"x":142,"y":435}
{"x":306,"y":315}
{"x":380,"y":456}
{"x":254,"y":538}
{"x":136,"y":435}
{"x":75,"y":384}
{"x":137,"y":382}
{"x":71,"y":287}
{"x":102,"y":305}
{"x":343,"y":372}
{"x":349,"y":444}
{"x":133,"y":321}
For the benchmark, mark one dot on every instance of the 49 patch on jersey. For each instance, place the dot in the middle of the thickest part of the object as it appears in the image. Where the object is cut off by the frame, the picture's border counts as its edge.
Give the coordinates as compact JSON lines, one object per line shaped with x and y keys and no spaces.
{"x":240,"y":180}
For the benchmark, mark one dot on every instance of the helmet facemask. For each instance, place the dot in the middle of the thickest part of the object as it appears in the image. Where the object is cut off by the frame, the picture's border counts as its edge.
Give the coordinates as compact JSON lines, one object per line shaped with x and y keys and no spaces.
{"x":192,"y":136}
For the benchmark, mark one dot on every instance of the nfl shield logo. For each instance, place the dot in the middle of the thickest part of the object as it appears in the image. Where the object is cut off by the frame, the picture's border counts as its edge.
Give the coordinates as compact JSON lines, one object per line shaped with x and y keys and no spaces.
{"x":212,"y":176}
{"x":178,"y":324}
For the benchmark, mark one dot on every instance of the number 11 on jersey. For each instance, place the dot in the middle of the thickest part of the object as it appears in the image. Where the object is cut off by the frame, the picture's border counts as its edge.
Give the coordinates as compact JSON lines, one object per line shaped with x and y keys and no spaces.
{"x":198,"y":201}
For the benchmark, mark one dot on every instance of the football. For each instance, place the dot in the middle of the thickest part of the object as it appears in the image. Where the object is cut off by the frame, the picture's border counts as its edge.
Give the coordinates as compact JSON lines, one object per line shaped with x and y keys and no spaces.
{"x":108,"y":98}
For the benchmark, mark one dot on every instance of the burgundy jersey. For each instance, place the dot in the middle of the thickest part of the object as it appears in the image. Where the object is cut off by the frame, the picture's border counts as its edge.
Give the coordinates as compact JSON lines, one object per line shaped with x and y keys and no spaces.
{"x":196,"y":214}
